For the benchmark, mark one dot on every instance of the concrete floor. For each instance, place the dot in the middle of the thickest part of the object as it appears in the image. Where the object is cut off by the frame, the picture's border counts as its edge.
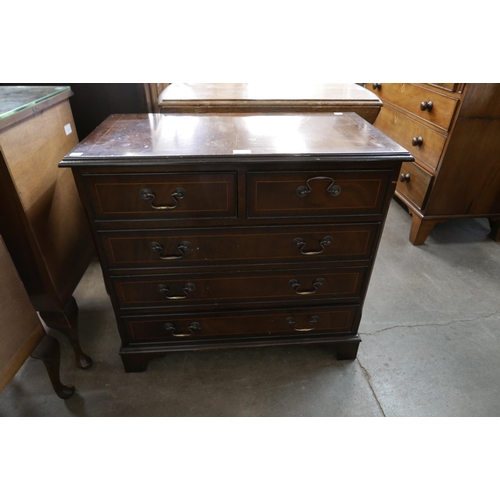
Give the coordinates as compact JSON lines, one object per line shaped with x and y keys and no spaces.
{"x":431,"y":347}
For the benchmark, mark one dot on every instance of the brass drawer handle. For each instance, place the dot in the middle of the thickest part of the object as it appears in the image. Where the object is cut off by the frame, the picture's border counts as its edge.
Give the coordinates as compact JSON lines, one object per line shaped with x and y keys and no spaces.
{"x":193,"y":327}
{"x":299,"y":242}
{"x":404,"y":177}
{"x":296,"y":285}
{"x":291,"y":321}
{"x":332,"y":189}
{"x":417,"y":141}
{"x":183,"y":248}
{"x":188,"y":288}
{"x":426,"y":106}
{"x":178,"y":194}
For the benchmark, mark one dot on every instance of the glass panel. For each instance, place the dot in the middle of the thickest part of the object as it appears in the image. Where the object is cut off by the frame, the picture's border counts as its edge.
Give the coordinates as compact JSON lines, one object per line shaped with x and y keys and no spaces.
{"x":15,"y":99}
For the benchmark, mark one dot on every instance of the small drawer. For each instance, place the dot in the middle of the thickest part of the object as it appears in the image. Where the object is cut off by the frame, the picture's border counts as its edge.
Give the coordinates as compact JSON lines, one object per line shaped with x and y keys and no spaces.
{"x":162,"y":196}
{"x":422,"y":142}
{"x":414,"y":183}
{"x":255,"y":324}
{"x":316,"y":194}
{"x":438,"y":108}
{"x":247,"y":245}
{"x":222,"y":288}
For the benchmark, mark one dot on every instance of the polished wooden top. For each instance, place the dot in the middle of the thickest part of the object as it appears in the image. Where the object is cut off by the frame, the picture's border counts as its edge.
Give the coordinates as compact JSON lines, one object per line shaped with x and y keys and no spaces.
{"x":179,"y":137}
{"x":266,"y":92}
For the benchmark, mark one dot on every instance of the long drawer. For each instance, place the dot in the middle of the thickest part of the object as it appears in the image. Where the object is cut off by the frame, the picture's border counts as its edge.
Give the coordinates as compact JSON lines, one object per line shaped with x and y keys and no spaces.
{"x":321,"y":193}
{"x":416,"y":100}
{"x":222,"y":287}
{"x":163,"y":196}
{"x":244,"y":245}
{"x":424,"y":144}
{"x":279,"y":322}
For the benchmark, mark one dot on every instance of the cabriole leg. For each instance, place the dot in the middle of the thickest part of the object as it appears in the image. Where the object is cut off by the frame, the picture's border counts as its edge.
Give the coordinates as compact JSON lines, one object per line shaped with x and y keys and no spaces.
{"x":66,"y":322}
{"x":49,"y":351}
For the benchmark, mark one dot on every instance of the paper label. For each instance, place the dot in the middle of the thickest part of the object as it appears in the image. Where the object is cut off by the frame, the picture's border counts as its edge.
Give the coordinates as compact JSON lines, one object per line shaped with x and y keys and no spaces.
{"x":242,"y":151}
{"x":75,"y":154}
{"x":67,"y":128}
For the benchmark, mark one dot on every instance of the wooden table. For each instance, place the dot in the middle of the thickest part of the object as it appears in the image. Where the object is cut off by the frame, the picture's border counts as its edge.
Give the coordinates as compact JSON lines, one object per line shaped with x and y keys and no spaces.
{"x":236,"y":231}
{"x":43,"y":222}
{"x":269,"y":98}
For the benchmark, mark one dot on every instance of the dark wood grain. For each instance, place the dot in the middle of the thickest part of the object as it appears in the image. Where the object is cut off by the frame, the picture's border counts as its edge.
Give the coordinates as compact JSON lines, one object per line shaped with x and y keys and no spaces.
{"x":203,"y":196}
{"x":297,"y":321}
{"x":287,"y":263}
{"x":172,"y":291}
{"x":246,"y":245}
{"x":302,"y":194}
{"x":158,"y":137}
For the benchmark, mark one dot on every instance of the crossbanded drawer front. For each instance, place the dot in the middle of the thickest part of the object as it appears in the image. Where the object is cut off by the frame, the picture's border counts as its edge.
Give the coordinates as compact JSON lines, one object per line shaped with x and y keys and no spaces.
{"x":316,"y":194}
{"x":414,"y":183}
{"x":279,"y":322}
{"x":422,"y":142}
{"x":221,"y":288}
{"x":416,"y":100}
{"x":247,"y":245}
{"x":162,"y":196}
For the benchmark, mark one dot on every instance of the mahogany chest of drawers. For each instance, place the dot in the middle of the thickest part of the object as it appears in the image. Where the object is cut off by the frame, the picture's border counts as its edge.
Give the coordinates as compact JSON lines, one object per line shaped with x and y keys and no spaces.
{"x":229,"y":231}
{"x":452,"y":131}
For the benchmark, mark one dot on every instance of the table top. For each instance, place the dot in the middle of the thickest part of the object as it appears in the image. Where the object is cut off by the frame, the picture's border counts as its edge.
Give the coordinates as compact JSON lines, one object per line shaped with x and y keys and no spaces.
{"x":19,"y":102}
{"x":178,"y":137}
{"x":265,"y":92}
{"x":15,"y":99}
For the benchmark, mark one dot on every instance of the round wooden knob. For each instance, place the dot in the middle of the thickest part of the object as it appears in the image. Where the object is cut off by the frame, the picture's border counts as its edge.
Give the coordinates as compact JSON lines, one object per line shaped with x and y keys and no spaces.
{"x":417,"y":141}
{"x":377,"y":86}
{"x":426,"y":106}
{"x":404,"y":177}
